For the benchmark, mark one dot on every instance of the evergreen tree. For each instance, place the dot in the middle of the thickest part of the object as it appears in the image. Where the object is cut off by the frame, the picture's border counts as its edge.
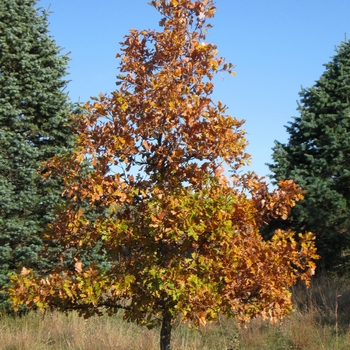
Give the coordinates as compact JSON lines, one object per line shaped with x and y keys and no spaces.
{"x":34,"y":126}
{"x":317,"y":157}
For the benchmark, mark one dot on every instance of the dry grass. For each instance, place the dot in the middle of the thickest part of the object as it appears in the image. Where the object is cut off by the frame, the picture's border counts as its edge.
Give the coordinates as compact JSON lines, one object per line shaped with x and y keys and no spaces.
{"x":59,"y":332}
{"x":321,"y":321}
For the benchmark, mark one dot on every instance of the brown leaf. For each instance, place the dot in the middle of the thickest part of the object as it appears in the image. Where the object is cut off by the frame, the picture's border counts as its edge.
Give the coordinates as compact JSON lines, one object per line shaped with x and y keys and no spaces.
{"x":78,"y":267}
{"x":24,"y":271}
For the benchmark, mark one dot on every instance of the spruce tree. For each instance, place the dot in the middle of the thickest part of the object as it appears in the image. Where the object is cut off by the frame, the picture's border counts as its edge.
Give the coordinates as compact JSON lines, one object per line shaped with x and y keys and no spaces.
{"x":34,"y":126}
{"x":317,"y":157}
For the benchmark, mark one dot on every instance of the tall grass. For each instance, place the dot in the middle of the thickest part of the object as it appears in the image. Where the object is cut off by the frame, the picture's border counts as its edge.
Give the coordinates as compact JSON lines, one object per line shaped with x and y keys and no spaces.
{"x":321,"y":321}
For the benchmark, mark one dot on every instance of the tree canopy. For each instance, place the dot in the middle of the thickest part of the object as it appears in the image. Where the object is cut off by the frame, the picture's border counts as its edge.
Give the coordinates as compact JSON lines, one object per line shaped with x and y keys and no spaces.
{"x":34,"y":126}
{"x":181,"y":236}
{"x":316,"y":157}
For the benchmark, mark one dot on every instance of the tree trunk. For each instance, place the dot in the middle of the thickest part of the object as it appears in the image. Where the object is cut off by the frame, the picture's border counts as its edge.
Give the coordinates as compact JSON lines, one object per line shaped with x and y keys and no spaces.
{"x":165,"y":332}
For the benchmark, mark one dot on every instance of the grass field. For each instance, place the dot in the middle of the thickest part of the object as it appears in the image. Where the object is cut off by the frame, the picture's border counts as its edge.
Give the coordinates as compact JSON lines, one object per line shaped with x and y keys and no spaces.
{"x":321,"y":321}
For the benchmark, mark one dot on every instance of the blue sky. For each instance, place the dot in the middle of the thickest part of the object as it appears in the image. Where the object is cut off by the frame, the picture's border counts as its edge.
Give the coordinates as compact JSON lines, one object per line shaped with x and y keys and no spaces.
{"x":277,"y":47}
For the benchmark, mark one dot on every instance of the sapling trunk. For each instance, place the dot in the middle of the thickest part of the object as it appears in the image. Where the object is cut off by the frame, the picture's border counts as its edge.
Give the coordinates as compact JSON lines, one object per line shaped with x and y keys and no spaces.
{"x":165,"y":332}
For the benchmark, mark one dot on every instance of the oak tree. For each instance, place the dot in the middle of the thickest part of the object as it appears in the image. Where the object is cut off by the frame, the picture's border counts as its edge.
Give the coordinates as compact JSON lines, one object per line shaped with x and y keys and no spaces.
{"x":181,"y":237}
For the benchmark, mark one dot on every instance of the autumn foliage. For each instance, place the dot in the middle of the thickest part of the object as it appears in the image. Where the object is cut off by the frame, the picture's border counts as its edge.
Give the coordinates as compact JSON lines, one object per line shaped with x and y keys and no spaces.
{"x":180,"y":236}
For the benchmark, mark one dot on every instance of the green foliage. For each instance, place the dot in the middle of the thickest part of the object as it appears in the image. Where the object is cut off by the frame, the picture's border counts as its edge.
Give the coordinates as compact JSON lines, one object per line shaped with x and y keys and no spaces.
{"x":316,"y":157}
{"x":33,"y":128}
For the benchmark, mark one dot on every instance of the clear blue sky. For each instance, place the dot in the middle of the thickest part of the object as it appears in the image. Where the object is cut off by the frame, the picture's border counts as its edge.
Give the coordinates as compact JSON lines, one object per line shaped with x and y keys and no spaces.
{"x":277,"y":47}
